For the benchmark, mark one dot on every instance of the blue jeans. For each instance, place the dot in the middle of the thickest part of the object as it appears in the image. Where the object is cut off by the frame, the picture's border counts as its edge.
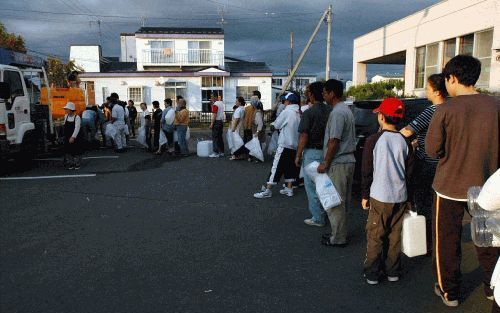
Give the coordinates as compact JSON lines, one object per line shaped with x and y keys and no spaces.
{"x":181,"y":137}
{"x":318,"y":214}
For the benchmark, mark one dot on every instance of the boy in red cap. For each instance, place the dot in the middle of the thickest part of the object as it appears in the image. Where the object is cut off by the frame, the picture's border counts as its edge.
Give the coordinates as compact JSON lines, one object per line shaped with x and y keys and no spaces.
{"x":387,"y":160}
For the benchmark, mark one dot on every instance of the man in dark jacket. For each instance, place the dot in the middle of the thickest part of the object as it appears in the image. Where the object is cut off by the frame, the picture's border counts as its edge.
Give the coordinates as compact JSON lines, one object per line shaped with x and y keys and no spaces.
{"x":157,"y":113}
{"x":132,"y":115}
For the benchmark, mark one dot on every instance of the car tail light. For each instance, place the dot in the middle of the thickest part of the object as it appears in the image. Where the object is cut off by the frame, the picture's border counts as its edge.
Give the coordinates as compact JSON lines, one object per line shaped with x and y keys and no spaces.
{"x":3,"y":130}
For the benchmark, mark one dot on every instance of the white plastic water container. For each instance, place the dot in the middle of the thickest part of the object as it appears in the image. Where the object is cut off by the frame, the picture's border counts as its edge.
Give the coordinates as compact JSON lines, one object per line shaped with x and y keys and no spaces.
{"x":204,"y":148}
{"x":413,"y":235}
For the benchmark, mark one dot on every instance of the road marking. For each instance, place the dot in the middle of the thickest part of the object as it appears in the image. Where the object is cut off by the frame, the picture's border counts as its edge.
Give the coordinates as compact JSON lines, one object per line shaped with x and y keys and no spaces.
{"x":47,"y":177}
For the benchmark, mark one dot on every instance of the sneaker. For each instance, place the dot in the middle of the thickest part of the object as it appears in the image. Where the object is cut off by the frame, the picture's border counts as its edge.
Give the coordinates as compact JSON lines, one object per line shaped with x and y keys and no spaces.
{"x":71,"y":167}
{"x":447,"y":302}
{"x":214,"y":155}
{"x":287,"y":191}
{"x":371,"y":282}
{"x":393,"y":279}
{"x":221,"y":154}
{"x":311,"y":222}
{"x":77,"y":167}
{"x":263,"y":194}
{"x":293,"y":186}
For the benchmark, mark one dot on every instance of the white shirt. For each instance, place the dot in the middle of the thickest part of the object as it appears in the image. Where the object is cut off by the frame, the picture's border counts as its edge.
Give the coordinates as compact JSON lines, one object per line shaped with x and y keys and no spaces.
{"x":220,"y":110}
{"x":127,"y":114}
{"x":143,"y":118}
{"x":239,"y":113}
{"x":118,"y":113}
{"x":288,"y":123}
{"x":75,"y":118}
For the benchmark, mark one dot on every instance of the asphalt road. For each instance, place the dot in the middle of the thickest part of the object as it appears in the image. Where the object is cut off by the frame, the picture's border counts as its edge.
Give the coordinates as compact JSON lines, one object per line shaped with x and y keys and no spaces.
{"x":164,"y":234}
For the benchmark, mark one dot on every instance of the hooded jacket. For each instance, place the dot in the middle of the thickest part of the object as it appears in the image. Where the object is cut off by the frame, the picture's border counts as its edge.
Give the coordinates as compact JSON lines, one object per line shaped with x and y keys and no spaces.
{"x":288,"y":124}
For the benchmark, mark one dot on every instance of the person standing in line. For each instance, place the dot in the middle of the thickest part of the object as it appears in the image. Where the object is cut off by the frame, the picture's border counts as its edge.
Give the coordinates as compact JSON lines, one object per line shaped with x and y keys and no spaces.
{"x":386,"y":166}
{"x":127,"y":122}
{"x":181,"y":126}
{"x":118,"y":120}
{"x":217,"y":127}
{"x":157,"y":113}
{"x":338,"y":147}
{"x":425,"y":166}
{"x":248,"y":121}
{"x":147,"y":124}
{"x":72,"y":137}
{"x":259,"y":126}
{"x":312,"y":133}
{"x":167,"y":126}
{"x":236,"y":122}
{"x":464,"y":134}
{"x":283,"y":165}
{"x":88,"y":128}
{"x":132,"y":116}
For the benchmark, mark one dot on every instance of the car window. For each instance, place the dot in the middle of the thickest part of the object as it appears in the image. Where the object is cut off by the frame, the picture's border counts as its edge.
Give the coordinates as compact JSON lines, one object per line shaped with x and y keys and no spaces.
{"x":14,"y":80}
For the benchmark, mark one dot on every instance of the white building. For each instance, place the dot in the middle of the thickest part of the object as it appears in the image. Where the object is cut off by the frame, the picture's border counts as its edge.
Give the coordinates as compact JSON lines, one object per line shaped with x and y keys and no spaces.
{"x":423,"y":42}
{"x":159,"y":62}
{"x":298,"y":83}
{"x":385,"y":78}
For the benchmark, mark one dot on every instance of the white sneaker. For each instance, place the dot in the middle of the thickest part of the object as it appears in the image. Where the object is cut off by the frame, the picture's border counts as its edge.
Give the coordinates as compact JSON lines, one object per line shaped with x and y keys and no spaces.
{"x":371,"y":282}
{"x":221,"y":154}
{"x":214,"y":155}
{"x":263,"y":194}
{"x":311,"y":222}
{"x":393,"y":279}
{"x":287,"y":191}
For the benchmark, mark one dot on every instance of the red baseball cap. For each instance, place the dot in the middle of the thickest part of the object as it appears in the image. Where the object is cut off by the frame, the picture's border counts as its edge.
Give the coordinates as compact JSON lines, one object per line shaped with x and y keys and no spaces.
{"x":391,"y":107}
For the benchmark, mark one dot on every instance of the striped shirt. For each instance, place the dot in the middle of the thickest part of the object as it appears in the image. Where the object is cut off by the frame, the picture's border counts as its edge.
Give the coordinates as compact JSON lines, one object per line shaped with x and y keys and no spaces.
{"x":420,"y":125}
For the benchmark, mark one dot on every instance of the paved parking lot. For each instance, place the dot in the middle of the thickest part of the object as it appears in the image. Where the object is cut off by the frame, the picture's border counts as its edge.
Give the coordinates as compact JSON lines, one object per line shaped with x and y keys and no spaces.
{"x":164,"y":234}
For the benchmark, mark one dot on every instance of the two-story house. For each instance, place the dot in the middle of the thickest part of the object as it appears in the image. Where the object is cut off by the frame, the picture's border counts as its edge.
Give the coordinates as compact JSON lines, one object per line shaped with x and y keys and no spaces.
{"x":162,"y":62}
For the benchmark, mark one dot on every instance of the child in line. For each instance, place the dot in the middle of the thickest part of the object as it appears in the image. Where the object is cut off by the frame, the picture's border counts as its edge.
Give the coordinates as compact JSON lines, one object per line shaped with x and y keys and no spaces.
{"x":387,"y":161}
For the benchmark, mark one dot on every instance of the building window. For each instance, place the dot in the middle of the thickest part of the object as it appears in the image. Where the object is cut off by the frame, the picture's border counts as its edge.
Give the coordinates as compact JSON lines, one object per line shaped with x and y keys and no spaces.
{"x":467,"y":44}
{"x":420,"y":68}
{"x":277,"y":82}
{"x":482,"y":51}
{"x":301,"y":83}
{"x":199,"y":52}
{"x":211,"y":85}
{"x":449,"y":49}
{"x":212,"y":81}
{"x":174,"y":89}
{"x":135,"y":94}
{"x":162,"y":51}
{"x":245,"y":91}
{"x":431,"y":60}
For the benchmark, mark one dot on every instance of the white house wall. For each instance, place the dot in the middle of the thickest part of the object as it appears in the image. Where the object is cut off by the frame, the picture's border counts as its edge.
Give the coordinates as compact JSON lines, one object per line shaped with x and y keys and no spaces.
{"x":128,"y":49}
{"x":445,"y":20}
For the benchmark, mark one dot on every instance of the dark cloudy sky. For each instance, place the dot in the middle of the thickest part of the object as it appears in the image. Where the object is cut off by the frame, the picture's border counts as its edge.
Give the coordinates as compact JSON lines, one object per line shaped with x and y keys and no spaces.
{"x":256,"y":29}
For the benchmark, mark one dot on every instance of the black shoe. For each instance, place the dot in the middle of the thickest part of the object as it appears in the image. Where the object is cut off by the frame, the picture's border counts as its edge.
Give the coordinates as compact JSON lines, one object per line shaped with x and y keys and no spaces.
{"x":327,"y":242}
{"x":326,"y":236}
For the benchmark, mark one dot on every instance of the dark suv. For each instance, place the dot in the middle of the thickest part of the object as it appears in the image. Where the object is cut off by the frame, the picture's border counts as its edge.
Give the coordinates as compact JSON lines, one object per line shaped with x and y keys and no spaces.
{"x":366,"y":122}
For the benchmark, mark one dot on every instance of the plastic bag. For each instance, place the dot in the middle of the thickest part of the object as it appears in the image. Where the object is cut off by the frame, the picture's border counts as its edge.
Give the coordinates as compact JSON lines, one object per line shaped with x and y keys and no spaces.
{"x":141,"y":136}
{"x":110,"y":130}
{"x":327,"y":194}
{"x":163,"y":138}
{"x":188,"y":134}
{"x":236,"y":140}
{"x":254,"y":148}
{"x":229,"y":140}
{"x":126,"y":129}
{"x":273,"y":143}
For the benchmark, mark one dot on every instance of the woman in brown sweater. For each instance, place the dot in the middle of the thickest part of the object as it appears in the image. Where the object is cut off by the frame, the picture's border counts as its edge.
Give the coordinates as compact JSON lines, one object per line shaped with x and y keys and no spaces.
{"x":181,"y":125}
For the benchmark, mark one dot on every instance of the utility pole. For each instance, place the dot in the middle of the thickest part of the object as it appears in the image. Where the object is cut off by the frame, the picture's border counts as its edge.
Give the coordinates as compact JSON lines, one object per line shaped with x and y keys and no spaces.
{"x":291,"y":54}
{"x":302,"y":54}
{"x":328,"y":41}
{"x":100,"y":33}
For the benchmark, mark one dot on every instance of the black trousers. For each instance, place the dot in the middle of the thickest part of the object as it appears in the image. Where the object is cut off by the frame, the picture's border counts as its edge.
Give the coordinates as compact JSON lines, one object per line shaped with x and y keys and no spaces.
{"x":447,"y":231}
{"x":217,"y":138}
{"x":156,"y":142}
{"x":284,"y":165}
{"x":132,"y":126}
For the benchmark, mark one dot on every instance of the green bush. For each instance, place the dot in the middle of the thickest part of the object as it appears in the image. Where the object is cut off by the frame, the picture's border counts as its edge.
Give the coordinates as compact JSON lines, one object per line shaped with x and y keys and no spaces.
{"x":375,"y":91}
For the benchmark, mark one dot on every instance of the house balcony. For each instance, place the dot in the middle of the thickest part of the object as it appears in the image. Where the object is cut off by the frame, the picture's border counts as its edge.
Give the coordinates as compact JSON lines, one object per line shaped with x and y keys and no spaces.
{"x":191,"y":57}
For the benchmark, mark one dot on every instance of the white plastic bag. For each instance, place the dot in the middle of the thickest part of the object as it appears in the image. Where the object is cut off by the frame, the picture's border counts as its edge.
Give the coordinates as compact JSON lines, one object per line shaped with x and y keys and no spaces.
{"x":188,"y":134}
{"x":273,"y":143}
{"x":126,"y":129}
{"x":254,"y":148}
{"x":163,"y":138}
{"x":489,"y":198}
{"x":141,"y":136}
{"x":327,"y":194}
{"x":236,"y":140}
{"x":229,"y":140}
{"x":110,"y":130}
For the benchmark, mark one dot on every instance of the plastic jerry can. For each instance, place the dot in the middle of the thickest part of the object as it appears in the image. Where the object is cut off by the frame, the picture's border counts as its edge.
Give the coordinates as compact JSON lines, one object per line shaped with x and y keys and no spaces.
{"x":413,"y":235}
{"x":204,"y":148}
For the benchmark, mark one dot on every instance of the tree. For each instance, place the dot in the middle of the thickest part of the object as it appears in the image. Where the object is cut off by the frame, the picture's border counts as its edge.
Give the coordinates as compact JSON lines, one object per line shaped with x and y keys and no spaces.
{"x":376,"y":91}
{"x":11,"y":41}
{"x":57,"y":71}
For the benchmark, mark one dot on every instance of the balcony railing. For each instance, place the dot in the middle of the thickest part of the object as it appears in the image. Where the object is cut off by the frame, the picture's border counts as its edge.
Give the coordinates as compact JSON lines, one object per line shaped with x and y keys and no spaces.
{"x":169,"y":56}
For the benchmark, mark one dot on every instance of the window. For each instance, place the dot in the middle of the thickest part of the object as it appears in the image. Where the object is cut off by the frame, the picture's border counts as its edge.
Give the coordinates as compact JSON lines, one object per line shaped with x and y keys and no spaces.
{"x":162,"y":51}
{"x":209,"y":81}
{"x":211,"y":85}
{"x":15,"y":83}
{"x":199,"y":52}
{"x":482,"y":51}
{"x":449,"y":49}
{"x":135,"y":94}
{"x":467,"y":44}
{"x":300,"y":83}
{"x":105,"y":93}
{"x":174,"y":89}
{"x":431,"y":60}
{"x":277,"y":82}
{"x":420,"y":68}
{"x":245,"y":91}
